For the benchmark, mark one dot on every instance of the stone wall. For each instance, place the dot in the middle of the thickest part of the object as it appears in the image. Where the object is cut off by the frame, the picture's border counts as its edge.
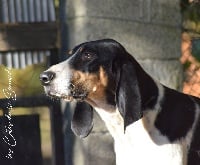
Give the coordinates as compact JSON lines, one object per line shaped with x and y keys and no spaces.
{"x":148,"y":29}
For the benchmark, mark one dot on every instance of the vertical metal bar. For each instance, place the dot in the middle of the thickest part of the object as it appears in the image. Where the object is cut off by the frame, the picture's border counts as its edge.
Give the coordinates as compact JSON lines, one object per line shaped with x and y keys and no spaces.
{"x":47,"y":53}
{"x":48,"y":57}
{"x":41,"y":56}
{"x":31,"y":11}
{"x":18,"y":12}
{"x":35,"y":57}
{"x":18,"y":9}
{"x":9,"y":60}
{"x":4,"y":60}
{"x":15,"y":59}
{"x":51,"y":11}
{"x":57,"y":134}
{"x":38,"y":56}
{"x":28,"y":58}
{"x":5,"y":15}
{"x":25,"y":17}
{"x":11,"y":11}
{"x":44,"y":11}
{"x":18,"y":17}
{"x":1,"y":58}
{"x":1,"y":13}
{"x":22,"y":59}
{"x":38,"y":11}
{"x":63,"y":29}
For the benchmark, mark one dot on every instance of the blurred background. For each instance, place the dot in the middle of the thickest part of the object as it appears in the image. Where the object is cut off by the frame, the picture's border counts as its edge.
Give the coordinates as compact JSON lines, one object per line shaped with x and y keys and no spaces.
{"x":164,"y":36}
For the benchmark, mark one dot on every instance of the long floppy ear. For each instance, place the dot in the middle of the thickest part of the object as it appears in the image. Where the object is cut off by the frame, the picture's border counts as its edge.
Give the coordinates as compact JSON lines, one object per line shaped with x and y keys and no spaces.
{"x":82,"y":121}
{"x":128,"y":97}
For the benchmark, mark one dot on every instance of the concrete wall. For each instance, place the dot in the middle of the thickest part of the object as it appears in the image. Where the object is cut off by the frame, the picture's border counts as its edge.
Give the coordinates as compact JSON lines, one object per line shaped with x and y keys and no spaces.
{"x":148,"y":29}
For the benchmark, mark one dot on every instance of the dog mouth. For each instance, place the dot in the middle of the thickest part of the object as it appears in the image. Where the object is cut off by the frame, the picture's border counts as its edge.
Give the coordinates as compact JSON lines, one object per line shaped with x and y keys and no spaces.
{"x":67,"y":98}
{"x":77,"y":94}
{"x":56,"y":95}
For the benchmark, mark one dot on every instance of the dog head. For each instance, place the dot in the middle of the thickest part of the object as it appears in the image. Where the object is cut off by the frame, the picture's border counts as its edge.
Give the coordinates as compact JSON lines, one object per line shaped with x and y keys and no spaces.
{"x":104,"y":75}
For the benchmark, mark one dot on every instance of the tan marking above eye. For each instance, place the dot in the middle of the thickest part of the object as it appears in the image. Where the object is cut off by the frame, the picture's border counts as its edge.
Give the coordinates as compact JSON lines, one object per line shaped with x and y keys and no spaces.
{"x":70,"y":52}
{"x":80,"y":49}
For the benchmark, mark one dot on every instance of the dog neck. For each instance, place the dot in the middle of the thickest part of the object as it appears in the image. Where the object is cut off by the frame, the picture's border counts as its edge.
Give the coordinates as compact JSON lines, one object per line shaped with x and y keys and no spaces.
{"x":115,"y":122}
{"x":129,"y":144}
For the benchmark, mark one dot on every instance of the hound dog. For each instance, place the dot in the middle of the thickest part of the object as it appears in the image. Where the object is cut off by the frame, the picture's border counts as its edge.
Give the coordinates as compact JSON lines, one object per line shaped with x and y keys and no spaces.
{"x":150,"y":123}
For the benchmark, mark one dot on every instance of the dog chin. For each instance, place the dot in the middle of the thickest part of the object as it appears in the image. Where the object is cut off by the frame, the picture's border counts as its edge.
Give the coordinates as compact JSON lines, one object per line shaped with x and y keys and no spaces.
{"x":64,"y":97}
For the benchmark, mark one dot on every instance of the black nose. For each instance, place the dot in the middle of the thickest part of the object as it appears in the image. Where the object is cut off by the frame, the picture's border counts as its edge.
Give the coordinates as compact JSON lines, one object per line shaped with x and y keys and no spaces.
{"x":46,"y":77}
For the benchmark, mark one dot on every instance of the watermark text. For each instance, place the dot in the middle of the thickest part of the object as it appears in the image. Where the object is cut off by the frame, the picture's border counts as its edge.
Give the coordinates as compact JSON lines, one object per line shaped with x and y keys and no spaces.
{"x":8,"y":137}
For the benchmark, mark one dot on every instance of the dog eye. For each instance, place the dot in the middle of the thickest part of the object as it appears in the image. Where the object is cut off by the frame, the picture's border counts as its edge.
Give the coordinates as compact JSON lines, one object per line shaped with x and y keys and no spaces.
{"x":87,"y":56}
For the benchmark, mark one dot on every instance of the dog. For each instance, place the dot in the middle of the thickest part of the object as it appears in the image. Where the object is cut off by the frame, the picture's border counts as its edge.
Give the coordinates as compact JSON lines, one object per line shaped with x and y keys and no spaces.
{"x":149,"y":122}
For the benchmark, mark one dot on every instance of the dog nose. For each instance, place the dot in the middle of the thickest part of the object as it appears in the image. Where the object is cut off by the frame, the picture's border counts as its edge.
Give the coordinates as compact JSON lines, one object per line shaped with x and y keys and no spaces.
{"x":46,"y":77}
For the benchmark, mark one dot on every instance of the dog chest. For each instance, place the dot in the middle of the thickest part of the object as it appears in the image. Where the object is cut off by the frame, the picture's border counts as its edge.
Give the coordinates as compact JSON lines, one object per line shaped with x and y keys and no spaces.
{"x":136,"y":145}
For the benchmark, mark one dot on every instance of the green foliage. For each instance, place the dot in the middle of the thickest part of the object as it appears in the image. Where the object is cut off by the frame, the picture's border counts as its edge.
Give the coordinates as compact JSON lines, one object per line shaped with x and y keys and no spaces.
{"x":24,"y":82}
{"x":193,"y":12}
{"x":56,"y":3}
{"x":191,"y":23}
{"x":191,"y":18}
{"x":186,"y":65}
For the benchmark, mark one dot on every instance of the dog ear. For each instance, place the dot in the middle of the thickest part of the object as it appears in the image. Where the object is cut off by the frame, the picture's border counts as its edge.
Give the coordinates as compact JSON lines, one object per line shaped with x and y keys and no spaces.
{"x":82,"y":121}
{"x":128,"y":97}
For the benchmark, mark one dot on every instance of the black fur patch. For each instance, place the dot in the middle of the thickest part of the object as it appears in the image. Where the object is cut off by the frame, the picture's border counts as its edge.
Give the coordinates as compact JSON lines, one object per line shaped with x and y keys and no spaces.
{"x":176,"y":116}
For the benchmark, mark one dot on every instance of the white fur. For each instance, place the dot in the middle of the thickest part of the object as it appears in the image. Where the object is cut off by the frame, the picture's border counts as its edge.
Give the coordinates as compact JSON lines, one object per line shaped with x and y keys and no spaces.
{"x":60,"y":84}
{"x":139,"y":146}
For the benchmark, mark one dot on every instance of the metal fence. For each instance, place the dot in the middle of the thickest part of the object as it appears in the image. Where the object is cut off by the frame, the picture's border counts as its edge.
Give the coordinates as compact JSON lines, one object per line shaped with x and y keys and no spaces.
{"x":25,"y":11}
